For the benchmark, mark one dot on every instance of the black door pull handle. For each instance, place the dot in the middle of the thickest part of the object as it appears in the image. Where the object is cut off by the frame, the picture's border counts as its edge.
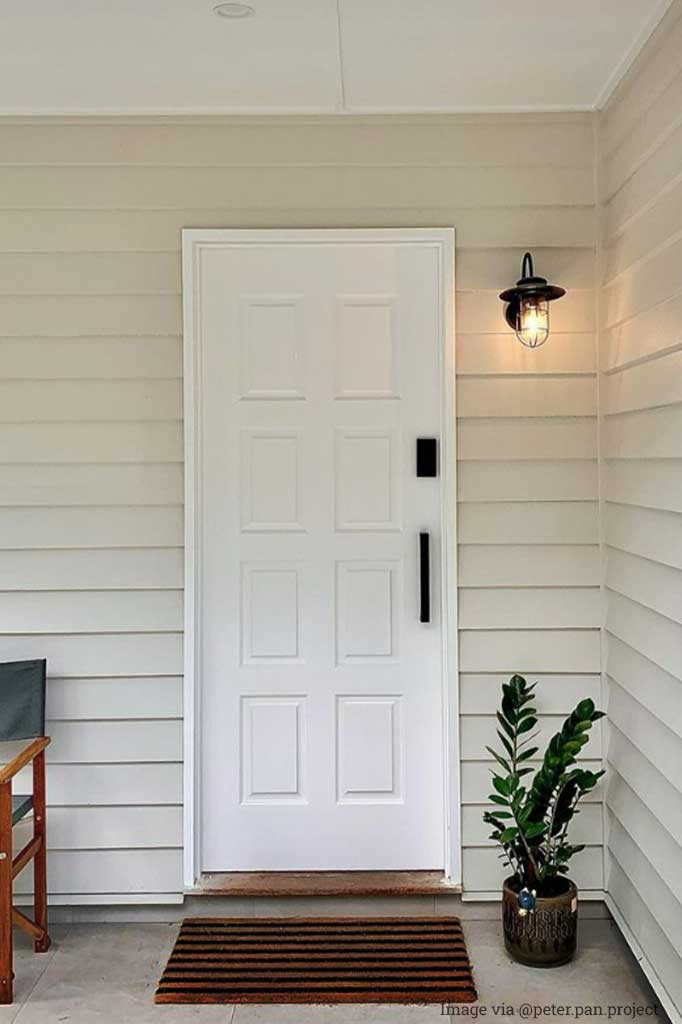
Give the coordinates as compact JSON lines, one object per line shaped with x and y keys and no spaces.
{"x":424,"y":579}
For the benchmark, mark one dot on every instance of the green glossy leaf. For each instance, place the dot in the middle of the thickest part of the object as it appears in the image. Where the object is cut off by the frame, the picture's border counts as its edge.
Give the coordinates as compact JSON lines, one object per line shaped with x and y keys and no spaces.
{"x":536,"y":828}
{"x":501,"y":760}
{"x":501,"y":785}
{"x":502,"y":801}
{"x":509,"y":709}
{"x":584,"y":709}
{"x":505,"y":743}
{"x":505,"y":725}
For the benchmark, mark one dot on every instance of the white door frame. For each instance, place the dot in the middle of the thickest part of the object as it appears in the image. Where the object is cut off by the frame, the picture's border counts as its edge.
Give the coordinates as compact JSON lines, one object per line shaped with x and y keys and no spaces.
{"x":194,"y":241}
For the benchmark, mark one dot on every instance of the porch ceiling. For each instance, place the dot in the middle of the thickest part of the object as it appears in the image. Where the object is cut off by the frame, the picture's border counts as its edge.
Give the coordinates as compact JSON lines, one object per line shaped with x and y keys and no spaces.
{"x":320,"y":56}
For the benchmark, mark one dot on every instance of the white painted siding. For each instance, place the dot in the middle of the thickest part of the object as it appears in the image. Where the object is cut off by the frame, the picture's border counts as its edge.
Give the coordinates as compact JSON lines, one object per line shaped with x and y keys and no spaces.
{"x":641,"y":434}
{"x":90,"y":438}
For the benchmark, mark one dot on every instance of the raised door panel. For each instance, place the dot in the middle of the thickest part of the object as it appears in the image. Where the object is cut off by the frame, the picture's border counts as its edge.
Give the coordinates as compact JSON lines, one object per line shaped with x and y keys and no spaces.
{"x":369,"y":761}
{"x":272,"y":347}
{"x":366,"y":347}
{"x":271,"y":619}
{"x":367,"y":470}
{"x":271,"y":486}
{"x":273,"y":750}
{"x":367,"y":612}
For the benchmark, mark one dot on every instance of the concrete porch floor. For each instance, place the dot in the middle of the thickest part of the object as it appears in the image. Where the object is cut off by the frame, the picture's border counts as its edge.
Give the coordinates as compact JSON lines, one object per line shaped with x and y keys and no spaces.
{"x":108,"y":972}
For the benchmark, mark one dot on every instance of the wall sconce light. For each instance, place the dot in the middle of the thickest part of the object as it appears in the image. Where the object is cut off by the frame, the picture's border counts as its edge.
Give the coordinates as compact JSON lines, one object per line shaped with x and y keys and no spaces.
{"x":527,"y":310}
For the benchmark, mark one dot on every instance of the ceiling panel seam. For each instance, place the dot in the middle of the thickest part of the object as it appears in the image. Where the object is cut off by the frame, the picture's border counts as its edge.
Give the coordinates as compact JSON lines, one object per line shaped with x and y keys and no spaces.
{"x":339,"y":45}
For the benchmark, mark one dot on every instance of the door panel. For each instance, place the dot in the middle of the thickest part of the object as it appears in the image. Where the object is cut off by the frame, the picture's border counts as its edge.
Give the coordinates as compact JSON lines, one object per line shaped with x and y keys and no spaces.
{"x":321,"y":692}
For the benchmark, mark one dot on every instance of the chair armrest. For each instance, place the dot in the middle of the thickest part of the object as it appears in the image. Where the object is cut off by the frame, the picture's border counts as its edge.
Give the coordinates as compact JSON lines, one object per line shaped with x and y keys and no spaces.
{"x":24,"y":757}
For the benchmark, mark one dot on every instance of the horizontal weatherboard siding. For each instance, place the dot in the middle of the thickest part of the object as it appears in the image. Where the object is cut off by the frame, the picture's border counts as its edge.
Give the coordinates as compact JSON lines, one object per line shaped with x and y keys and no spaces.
{"x":91,"y":488}
{"x":641,"y":438}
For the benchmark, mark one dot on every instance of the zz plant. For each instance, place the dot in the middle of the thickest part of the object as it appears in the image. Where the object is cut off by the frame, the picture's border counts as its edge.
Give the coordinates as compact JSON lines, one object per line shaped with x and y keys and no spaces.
{"x":530,"y":821}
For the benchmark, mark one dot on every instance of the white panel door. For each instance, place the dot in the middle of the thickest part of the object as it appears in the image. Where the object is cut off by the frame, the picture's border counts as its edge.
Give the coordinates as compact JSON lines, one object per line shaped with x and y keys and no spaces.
{"x":319,"y":364}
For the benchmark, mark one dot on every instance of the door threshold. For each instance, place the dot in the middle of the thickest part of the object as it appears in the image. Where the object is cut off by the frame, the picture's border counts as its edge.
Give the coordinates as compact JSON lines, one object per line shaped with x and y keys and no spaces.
{"x":324,"y":883}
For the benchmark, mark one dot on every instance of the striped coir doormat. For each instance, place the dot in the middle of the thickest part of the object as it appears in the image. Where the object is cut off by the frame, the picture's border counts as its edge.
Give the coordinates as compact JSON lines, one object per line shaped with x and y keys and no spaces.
{"x":318,"y":960}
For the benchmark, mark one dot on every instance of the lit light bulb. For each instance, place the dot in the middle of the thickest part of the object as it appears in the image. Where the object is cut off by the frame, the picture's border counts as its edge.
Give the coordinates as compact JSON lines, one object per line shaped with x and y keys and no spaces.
{"x":532,"y":323}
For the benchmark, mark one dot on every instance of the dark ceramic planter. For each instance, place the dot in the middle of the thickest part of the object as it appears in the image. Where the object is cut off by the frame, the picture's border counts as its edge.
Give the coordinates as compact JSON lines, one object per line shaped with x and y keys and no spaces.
{"x":547,"y":936}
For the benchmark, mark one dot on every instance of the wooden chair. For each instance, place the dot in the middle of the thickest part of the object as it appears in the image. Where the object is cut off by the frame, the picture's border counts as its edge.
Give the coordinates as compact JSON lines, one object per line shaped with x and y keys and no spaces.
{"x":22,"y":742}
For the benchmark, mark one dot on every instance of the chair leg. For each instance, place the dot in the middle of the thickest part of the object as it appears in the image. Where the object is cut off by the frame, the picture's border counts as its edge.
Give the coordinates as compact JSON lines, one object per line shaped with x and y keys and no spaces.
{"x":6,"y":945}
{"x":40,"y":865}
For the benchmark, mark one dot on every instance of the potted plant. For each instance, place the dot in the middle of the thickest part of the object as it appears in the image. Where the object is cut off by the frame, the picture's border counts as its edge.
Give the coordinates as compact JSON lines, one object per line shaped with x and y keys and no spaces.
{"x":530,"y":822}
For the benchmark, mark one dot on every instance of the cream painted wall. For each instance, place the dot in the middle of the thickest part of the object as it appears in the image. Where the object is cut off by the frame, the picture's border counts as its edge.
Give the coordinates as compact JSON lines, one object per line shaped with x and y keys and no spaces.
{"x":91,"y":435}
{"x":641,"y":435}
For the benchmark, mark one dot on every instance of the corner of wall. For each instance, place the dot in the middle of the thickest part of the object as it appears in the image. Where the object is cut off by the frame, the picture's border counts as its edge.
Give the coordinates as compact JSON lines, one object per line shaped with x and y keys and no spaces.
{"x":599,"y":277}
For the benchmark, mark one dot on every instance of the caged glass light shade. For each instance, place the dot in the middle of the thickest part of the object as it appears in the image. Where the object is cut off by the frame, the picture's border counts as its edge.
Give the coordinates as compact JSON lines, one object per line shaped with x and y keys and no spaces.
{"x":532,"y":322}
{"x":527,"y":309}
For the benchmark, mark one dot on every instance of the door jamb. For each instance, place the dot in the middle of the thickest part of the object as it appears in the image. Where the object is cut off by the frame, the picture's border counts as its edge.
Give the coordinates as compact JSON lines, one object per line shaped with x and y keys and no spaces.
{"x":194,"y":241}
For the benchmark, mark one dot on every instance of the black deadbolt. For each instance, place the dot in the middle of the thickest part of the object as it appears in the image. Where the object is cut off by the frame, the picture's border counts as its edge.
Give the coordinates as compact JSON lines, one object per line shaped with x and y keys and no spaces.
{"x":427,"y":456}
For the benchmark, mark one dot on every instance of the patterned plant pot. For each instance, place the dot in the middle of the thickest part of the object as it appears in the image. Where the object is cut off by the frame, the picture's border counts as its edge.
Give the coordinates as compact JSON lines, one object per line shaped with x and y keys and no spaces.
{"x":545,"y":936}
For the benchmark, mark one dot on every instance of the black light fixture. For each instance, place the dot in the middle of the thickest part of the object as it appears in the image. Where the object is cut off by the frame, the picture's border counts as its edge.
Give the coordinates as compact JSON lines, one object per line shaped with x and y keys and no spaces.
{"x":527,"y":310}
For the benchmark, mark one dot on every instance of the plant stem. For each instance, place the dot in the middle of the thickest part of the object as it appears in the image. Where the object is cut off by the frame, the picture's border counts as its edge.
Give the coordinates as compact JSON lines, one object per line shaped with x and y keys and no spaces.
{"x":536,"y":873}
{"x":562,"y":836}
{"x":552,"y":846}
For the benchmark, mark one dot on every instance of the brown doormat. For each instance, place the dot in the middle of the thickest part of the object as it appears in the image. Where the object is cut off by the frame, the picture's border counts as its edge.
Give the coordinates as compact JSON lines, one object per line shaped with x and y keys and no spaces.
{"x":318,"y":960}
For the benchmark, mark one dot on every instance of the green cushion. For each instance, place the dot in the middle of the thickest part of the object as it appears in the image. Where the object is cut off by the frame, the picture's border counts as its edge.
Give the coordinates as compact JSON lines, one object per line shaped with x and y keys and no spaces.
{"x":22,"y":699}
{"x":21,"y":805}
